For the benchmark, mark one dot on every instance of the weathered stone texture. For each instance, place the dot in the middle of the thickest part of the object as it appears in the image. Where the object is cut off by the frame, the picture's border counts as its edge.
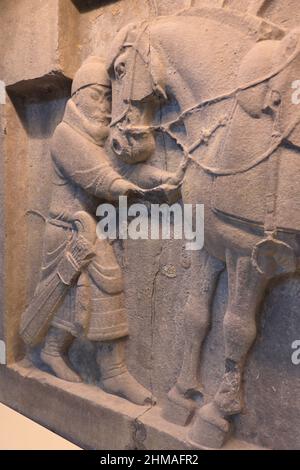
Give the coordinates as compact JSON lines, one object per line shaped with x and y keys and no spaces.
{"x":43,"y":43}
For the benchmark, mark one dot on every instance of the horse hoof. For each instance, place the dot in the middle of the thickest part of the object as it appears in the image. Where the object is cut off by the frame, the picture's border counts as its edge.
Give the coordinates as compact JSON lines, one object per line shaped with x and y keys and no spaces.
{"x":179,"y":409}
{"x":209,"y":429}
{"x":229,"y":398}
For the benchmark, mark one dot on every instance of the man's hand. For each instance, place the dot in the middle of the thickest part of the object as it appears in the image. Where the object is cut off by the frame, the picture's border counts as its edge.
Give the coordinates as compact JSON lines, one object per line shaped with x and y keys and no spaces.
{"x":176,"y":179}
{"x":168,"y":193}
{"x":134,"y":192}
{"x":170,"y":190}
{"x":122,"y":187}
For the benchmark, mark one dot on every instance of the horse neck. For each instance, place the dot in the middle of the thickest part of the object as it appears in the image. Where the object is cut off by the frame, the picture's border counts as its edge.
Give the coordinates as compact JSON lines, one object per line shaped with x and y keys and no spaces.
{"x":193,"y":72}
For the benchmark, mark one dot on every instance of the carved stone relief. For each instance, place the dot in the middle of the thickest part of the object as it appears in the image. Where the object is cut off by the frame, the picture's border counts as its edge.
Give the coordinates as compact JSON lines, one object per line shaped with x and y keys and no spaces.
{"x":188,"y":101}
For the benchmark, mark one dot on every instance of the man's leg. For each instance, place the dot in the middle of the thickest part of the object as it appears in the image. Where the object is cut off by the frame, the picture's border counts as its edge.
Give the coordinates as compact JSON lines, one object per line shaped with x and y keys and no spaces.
{"x":54,"y":354}
{"x":114,"y":374}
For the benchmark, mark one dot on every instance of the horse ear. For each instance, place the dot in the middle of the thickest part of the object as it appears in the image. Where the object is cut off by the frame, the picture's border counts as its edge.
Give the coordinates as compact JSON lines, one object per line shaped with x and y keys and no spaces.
{"x":158,"y":74}
{"x":117,"y":46}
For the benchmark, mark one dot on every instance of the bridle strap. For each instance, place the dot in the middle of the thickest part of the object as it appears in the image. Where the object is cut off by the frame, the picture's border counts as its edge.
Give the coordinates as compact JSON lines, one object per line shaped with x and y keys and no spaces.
{"x":188,"y":150}
{"x":279,"y":138}
{"x":134,"y":46}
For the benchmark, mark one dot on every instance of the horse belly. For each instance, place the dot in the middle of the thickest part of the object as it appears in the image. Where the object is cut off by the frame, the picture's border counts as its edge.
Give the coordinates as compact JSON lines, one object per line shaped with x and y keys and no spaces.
{"x":242,"y":196}
{"x":219,"y":234}
{"x":196,"y":189}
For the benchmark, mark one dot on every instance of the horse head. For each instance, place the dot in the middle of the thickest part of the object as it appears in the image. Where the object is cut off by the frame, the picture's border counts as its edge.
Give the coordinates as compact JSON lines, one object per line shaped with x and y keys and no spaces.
{"x":137,"y":90}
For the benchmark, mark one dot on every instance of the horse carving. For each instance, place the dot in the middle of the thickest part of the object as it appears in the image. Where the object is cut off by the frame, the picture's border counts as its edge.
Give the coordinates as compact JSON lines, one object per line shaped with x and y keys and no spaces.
{"x":232,"y":82}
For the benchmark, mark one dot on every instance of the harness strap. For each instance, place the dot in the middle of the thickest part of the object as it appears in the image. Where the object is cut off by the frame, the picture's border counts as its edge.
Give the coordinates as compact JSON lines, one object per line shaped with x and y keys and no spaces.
{"x":233,"y":171}
{"x":51,"y":220}
{"x":272,"y":255}
{"x":270,"y":226}
{"x":272,"y":181}
{"x":61,"y":223}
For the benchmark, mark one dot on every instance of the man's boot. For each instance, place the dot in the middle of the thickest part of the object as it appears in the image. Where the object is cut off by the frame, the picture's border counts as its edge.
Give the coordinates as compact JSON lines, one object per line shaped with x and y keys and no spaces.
{"x":114,"y":374}
{"x":54,"y":354}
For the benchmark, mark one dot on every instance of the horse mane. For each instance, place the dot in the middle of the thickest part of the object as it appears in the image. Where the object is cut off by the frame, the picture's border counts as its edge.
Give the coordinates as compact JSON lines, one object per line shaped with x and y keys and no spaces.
{"x":128,"y":33}
{"x":137,"y":36}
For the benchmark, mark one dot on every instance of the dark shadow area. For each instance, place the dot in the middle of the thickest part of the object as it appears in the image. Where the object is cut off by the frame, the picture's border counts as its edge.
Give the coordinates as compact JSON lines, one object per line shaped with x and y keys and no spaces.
{"x":84,"y":6}
{"x":270,"y":374}
{"x":51,"y":86}
{"x":264,"y":7}
{"x":40,"y":103}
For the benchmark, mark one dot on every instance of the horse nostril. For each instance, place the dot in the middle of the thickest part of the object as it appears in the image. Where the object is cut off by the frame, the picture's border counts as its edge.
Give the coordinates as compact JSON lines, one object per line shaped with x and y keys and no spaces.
{"x":116,"y":147}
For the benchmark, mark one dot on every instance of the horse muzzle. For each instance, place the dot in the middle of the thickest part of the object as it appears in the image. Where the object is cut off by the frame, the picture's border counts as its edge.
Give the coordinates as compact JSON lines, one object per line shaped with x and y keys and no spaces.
{"x":132,"y":145}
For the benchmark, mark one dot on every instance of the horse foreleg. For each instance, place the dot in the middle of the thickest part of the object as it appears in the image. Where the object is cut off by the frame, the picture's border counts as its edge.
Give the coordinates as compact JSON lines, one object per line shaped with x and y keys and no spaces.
{"x":203,"y":276}
{"x":206,"y":271}
{"x":246,"y":288}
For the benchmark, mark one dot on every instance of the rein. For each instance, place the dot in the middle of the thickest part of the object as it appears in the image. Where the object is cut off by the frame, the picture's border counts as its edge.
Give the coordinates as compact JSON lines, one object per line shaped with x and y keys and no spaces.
{"x":205,"y":136}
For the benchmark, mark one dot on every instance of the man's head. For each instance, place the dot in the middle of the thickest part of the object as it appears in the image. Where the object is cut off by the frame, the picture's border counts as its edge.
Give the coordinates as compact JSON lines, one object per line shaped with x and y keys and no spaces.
{"x":91,"y":91}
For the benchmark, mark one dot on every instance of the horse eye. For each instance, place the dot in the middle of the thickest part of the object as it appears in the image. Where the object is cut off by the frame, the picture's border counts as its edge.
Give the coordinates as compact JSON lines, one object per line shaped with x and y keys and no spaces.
{"x":120,"y":70}
{"x":95,"y":96}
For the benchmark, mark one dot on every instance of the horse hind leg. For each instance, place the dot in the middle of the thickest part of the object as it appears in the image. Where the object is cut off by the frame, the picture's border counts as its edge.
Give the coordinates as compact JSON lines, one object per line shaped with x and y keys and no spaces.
{"x":187,"y":393}
{"x":212,"y":424}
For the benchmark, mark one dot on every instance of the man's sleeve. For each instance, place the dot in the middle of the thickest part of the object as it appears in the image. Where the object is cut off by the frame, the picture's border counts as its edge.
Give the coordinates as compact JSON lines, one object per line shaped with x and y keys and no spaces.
{"x":84,"y":163}
{"x":144,"y":175}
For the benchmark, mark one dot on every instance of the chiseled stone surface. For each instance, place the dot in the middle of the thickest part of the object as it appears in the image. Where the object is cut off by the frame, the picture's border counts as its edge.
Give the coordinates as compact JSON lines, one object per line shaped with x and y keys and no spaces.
{"x":30,"y":27}
{"x":168,"y":292}
{"x":47,"y":34}
{"x":92,"y":418}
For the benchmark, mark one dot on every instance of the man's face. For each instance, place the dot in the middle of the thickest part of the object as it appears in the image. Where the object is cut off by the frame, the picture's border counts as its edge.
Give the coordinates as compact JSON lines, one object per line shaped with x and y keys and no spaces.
{"x":95,"y":103}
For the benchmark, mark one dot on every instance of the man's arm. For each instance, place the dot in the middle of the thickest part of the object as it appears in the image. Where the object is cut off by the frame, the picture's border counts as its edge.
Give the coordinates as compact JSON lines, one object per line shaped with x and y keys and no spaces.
{"x":144,"y":175}
{"x":87,"y":166}
{"x":159,"y":185}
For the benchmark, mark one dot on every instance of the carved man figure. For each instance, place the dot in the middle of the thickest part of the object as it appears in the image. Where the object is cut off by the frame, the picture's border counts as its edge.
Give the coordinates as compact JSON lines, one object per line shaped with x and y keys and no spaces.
{"x":81,"y":288}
